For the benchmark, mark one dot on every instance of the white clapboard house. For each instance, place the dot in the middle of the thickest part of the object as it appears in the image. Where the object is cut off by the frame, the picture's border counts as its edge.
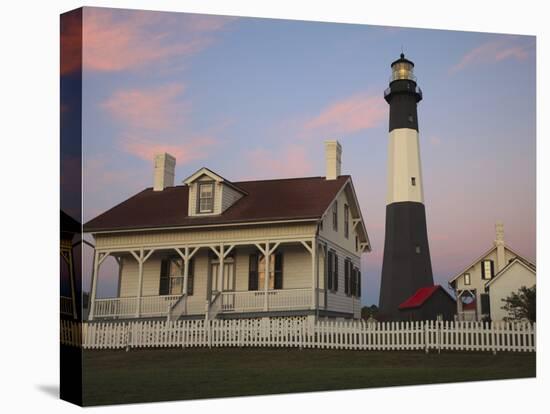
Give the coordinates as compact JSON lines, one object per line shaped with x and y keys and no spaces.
{"x":481,"y":286}
{"x":212,"y":248}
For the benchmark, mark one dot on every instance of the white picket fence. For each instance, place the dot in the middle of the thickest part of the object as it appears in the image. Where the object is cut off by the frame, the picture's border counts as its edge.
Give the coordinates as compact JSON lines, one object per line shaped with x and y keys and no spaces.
{"x":303,"y":333}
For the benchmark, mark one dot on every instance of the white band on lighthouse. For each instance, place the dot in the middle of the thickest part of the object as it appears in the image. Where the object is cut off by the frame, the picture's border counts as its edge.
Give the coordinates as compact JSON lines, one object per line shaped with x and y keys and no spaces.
{"x":404,"y":167}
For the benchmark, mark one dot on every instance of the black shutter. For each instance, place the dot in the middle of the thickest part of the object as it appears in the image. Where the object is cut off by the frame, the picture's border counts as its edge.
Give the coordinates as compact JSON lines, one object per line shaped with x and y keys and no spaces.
{"x":330,"y":268}
{"x":358,"y":283}
{"x":346,"y":277}
{"x":483,"y":269}
{"x":253,"y":272}
{"x":164,"y":286}
{"x":492,"y":269}
{"x":354,"y":281}
{"x":279,"y":271}
{"x":485,"y":304}
{"x":191,"y":277}
{"x":335,"y":272}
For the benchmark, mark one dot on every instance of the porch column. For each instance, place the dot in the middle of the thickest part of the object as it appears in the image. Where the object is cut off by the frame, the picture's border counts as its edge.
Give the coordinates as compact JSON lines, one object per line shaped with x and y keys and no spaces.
{"x":220,"y":269}
{"x":140,"y":282}
{"x":267,"y":251}
{"x":99,"y":257}
{"x":94,"y":286}
{"x":266,"y":277}
{"x":141,"y":259}
{"x":312,"y":249}
{"x":315,"y":276}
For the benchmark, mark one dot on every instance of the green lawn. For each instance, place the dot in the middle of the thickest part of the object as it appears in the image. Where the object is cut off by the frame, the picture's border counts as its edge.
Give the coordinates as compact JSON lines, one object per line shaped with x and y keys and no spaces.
{"x":112,"y":377}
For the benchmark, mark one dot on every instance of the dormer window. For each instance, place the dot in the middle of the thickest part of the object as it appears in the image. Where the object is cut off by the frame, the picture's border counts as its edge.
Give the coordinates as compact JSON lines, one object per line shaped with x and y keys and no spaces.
{"x":206,"y":197}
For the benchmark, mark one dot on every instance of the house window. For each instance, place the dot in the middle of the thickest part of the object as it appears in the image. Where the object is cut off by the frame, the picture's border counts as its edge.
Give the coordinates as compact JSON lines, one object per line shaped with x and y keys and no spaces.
{"x":347,"y":277}
{"x":332,"y":276}
{"x":356,"y":244}
{"x":487,"y":269}
{"x":346,"y":221}
{"x":321,"y":225}
{"x":206,"y":197}
{"x":257,"y":275}
{"x":413,"y":181}
{"x":358,"y":283}
{"x":467,"y":280}
{"x":172,"y":277}
{"x":335,"y":216}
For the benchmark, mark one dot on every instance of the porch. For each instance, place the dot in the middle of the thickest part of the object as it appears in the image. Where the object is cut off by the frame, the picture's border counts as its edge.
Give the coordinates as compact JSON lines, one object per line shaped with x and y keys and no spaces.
{"x":229,"y":303}
{"x":212,"y":279}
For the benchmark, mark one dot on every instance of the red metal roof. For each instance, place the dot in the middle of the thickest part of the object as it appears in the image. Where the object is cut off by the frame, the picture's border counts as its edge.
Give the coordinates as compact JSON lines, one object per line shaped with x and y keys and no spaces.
{"x":419,"y":297}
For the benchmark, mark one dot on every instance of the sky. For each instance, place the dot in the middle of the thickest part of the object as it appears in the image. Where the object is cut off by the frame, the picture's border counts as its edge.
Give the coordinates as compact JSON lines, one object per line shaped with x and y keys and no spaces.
{"x":256,"y":98}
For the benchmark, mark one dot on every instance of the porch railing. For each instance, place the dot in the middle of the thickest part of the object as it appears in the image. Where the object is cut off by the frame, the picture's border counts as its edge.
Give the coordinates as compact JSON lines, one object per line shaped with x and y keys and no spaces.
{"x":127,"y":307}
{"x":66,"y":305}
{"x":254,"y":301}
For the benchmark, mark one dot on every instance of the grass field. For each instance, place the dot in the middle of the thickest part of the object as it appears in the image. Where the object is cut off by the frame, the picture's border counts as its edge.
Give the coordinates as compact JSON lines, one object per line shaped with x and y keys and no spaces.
{"x":112,"y":377}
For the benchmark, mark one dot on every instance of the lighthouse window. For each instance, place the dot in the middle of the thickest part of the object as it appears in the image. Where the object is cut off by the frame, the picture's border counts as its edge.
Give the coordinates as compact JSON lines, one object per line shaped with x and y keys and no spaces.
{"x":411,"y":119}
{"x":413,"y":181}
{"x":417,"y":249}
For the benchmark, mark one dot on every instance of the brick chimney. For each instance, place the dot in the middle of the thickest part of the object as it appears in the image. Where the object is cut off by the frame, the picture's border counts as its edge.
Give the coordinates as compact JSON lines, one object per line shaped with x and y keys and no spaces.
{"x":165,"y":166}
{"x":333,"y":159}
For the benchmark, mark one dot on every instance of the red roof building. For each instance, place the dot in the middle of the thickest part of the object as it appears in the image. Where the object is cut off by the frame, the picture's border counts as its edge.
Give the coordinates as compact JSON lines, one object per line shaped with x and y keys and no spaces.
{"x":427,"y":303}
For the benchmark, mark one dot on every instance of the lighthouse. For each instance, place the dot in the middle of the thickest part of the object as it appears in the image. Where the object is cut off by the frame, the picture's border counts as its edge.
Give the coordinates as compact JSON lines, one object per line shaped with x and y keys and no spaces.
{"x":407,"y":265}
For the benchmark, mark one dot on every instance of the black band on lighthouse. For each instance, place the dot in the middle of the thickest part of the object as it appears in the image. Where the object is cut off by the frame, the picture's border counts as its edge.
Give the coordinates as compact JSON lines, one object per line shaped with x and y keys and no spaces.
{"x":403,"y":95}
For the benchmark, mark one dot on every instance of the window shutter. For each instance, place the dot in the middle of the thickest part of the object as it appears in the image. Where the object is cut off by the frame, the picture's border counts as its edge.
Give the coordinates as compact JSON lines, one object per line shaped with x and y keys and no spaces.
{"x":492,"y":269}
{"x":483,"y":269}
{"x":346,"y":277}
{"x":329,"y":275}
{"x":279,"y":271}
{"x":354,"y":282}
{"x":253,"y":272}
{"x":191,"y":277}
{"x":335,"y":272}
{"x":164,"y":285}
{"x":485,"y":304}
{"x":358,"y":283}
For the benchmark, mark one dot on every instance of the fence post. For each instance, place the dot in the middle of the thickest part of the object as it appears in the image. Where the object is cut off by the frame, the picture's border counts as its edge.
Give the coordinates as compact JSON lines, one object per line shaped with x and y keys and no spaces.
{"x":127,"y":334}
{"x":426,"y":347}
{"x":208,"y":331}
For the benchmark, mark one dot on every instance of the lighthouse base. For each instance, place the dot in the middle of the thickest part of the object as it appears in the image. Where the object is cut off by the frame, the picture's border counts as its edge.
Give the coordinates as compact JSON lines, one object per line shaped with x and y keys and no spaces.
{"x":407,"y":265}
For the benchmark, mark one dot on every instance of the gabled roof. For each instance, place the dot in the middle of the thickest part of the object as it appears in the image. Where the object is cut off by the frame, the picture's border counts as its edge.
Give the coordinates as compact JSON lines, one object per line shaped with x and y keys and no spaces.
{"x":529,"y":266}
{"x":214,"y":176}
{"x":484,"y":255}
{"x":265,"y":200}
{"x":421,"y":296}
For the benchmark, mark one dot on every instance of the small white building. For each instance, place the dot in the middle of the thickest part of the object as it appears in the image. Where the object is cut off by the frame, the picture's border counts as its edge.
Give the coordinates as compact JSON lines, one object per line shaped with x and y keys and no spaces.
{"x":214,"y":248}
{"x":493,"y":276}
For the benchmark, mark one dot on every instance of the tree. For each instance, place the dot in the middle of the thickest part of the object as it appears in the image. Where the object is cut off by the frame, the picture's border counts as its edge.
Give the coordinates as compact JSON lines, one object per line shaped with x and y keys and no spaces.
{"x":522,"y":304}
{"x":368,"y":311}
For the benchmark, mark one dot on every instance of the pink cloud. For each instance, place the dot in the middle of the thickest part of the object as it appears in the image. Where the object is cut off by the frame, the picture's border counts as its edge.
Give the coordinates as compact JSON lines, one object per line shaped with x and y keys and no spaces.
{"x":153,"y":108}
{"x":115,"y":40}
{"x":348,"y":115}
{"x":185,"y":151}
{"x":491,"y":52}
{"x":292,"y":161}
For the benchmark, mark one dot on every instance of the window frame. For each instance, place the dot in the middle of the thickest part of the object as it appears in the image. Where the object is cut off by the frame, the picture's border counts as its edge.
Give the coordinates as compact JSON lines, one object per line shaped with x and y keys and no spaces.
{"x":199,"y":197}
{"x":467,"y":279}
